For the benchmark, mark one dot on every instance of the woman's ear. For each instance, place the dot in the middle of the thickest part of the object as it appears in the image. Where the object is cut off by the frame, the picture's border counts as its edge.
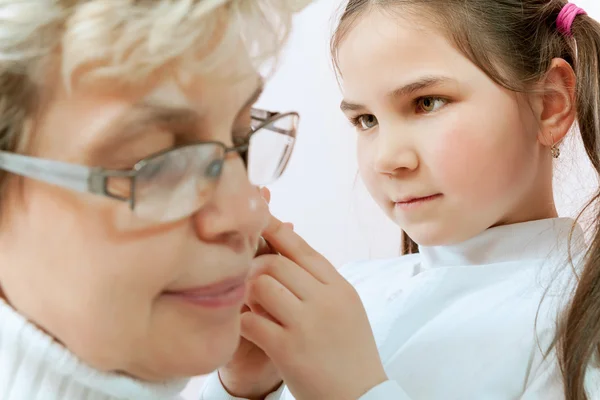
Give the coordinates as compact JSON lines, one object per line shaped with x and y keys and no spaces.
{"x":557,"y":98}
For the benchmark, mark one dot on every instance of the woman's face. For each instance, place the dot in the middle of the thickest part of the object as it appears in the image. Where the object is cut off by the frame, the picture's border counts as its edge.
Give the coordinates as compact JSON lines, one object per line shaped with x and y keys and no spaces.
{"x":111,"y":290}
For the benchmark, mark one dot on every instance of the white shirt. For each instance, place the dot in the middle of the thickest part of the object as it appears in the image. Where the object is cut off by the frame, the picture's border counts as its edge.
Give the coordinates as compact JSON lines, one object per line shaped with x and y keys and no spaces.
{"x":468,"y":321}
{"x":34,"y":367}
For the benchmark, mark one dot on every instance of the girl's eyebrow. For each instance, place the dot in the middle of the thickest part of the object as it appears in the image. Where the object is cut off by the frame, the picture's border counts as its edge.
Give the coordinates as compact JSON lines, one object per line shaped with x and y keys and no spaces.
{"x":422,"y":83}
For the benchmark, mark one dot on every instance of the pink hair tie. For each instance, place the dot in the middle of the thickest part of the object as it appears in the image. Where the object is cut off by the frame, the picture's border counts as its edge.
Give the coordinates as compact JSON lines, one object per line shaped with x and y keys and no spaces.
{"x":565,"y":18}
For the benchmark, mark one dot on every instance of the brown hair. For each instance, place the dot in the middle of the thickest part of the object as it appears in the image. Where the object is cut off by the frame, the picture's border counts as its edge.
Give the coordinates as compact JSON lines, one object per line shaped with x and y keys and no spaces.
{"x":514,"y":42}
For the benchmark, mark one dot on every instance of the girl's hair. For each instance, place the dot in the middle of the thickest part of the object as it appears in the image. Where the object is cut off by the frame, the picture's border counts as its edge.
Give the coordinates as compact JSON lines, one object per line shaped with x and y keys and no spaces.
{"x":126,"y":40}
{"x":514,"y":42}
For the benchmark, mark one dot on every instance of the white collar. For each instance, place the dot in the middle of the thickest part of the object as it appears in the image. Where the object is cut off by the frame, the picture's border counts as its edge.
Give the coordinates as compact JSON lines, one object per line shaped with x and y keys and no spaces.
{"x":516,"y":242}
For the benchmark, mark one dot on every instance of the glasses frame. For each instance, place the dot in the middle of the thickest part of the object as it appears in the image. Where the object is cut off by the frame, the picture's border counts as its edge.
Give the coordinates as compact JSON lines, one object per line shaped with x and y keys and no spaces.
{"x":94,"y":180}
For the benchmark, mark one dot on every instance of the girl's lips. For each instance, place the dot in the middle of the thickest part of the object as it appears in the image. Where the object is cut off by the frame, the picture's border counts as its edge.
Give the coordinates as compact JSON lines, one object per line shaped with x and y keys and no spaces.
{"x":414,"y":202}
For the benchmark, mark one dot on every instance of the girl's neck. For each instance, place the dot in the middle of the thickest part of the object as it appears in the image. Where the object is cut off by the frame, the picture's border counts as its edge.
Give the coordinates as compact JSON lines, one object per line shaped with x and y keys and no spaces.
{"x":548,"y":212}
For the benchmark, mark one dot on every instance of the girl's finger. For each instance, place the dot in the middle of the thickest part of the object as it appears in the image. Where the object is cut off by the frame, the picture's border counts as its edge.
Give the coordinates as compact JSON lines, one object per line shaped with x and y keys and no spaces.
{"x":295,"y":278}
{"x":261,"y":331}
{"x":276,"y":300}
{"x":263,"y":247}
{"x":266,"y":194}
{"x":291,"y":245}
{"x":259,"y":310}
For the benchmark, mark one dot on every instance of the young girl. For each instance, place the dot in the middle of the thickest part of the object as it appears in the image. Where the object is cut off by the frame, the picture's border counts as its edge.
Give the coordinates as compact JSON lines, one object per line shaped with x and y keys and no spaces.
{"x":460,"y":108}
{"x":128,"y":219}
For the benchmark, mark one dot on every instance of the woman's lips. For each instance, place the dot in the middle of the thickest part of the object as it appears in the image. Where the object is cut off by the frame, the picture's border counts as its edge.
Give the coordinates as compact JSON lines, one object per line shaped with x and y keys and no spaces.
{"x":226,"y":293}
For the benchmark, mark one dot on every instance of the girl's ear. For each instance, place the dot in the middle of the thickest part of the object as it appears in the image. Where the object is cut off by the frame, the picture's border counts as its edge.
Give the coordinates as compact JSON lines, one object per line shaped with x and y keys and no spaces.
{"x":556,"y":100}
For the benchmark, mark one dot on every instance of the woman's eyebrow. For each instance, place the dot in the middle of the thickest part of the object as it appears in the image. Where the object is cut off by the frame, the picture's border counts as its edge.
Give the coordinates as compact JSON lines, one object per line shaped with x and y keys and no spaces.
{"x":146,"y":114}
{"x":137,"y":121}
{"x":153,"y":112}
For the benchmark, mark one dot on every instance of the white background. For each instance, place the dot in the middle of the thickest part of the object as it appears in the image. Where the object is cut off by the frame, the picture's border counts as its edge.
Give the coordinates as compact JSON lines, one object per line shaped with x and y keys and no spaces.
{"x":320,"y":192}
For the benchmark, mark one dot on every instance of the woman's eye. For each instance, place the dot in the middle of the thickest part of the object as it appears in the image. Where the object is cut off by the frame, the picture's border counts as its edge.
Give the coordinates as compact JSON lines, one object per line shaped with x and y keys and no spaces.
{"x":430,"y":104}
{"x":151,"y":170}
{"x":364,"y":122}
{"x":167,"y":167}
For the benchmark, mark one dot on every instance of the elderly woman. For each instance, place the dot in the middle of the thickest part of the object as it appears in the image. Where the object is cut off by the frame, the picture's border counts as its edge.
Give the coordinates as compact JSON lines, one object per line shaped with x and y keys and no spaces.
{"x":130,"y":155}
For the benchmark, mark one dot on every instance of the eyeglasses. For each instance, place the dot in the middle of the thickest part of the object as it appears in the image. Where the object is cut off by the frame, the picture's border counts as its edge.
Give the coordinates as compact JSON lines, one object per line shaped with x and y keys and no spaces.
{"x":175,"y":183}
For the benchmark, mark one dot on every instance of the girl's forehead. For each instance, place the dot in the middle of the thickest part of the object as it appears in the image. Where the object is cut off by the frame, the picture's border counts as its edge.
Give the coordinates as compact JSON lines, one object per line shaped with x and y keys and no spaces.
{"x":385,"y":50}
{"x":377,"y":36}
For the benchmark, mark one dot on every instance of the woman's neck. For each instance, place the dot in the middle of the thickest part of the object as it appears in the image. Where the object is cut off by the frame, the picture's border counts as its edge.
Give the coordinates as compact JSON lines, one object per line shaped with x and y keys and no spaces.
{"x":34,"y":365}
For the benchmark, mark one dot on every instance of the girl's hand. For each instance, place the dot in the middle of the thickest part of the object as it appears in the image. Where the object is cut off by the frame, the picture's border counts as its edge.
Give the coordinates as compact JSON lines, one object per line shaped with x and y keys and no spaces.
{"x":313,"y":325}
{"x":251,"y":374}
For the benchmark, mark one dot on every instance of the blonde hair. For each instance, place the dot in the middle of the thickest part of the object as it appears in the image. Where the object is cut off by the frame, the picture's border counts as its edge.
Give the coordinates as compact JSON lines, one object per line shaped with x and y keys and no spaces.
{"x":126,"y":40}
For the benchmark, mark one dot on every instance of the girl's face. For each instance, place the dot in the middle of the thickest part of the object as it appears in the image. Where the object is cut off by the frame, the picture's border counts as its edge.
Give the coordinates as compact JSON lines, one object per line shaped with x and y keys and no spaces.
{"x":109,"y":289}
{"x":445,"y":151}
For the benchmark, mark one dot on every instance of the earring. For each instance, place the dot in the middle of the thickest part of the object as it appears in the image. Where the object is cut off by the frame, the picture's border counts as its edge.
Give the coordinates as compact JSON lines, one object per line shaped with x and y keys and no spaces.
{"x":554,"y":150}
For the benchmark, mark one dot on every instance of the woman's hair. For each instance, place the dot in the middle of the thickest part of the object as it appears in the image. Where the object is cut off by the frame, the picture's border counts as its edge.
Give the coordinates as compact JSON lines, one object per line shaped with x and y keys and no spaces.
{"x":126,"y":40}
{"x":514,"y":42}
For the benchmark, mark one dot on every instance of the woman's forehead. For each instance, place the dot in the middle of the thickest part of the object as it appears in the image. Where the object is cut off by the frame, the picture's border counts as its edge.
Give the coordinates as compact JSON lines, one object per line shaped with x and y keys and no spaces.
{"x":96,"y":122}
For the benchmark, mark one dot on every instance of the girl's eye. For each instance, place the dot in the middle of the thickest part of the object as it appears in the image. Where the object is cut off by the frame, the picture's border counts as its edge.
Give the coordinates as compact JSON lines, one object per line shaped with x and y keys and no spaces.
{"x":364,"y":122}
{"x":430,"y":104}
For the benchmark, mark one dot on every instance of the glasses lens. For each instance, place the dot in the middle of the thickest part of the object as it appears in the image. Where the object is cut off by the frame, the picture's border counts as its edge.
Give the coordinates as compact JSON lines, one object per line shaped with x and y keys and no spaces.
{"x":177,"y":183}
{"x":270,"y":149}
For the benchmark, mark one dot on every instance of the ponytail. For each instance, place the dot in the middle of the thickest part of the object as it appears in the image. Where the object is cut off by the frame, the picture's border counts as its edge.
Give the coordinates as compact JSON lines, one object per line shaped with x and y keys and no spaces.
{"x":579,"y":330}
